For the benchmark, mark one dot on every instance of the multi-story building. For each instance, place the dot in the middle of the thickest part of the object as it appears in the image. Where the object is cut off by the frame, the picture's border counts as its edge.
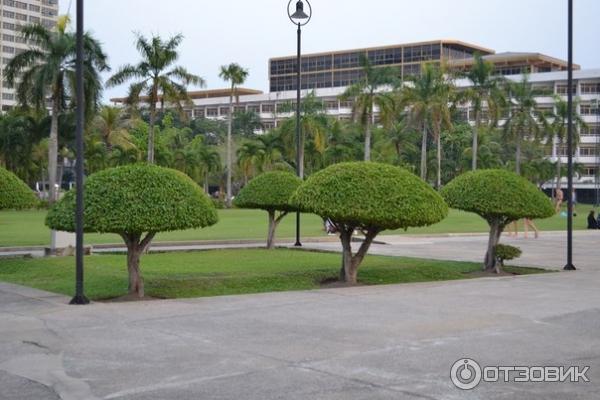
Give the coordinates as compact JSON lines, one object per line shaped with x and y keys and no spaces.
{"x":321,"y":74}
{"x":13,"y":15}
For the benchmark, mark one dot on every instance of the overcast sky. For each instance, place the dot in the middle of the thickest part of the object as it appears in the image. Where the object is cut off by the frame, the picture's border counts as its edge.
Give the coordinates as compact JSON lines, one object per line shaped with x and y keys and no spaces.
{"x":218,"y":32}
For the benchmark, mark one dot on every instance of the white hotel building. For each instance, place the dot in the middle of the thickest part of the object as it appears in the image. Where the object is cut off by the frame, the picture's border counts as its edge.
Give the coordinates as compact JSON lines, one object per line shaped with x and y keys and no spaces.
{"x":328,"y":75}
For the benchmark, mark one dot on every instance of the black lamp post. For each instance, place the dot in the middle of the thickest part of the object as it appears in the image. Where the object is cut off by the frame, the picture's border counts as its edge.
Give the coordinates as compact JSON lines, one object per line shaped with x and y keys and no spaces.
{"x":569,"y":266}
{"x":79,"y":296}
{"x":299,"y":18}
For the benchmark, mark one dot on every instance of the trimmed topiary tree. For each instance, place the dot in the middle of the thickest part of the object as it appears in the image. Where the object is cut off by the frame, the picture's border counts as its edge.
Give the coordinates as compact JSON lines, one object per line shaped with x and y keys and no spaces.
{"x":14,"y":193}
{"x":136,"y":202}
{"x":500,"y":197}
{"x":370,"y":197}
{"x":271,"y":192}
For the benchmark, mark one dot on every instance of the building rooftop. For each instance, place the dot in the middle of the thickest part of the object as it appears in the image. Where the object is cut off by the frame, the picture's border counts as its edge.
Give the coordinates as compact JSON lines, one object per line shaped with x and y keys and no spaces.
{"x":202,"y":94}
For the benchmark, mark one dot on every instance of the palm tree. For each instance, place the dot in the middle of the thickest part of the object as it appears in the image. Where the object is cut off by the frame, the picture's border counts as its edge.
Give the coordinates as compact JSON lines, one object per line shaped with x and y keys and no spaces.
{"x":236,"y":75}
{"x":112,"y":129}
{"x":314,"y":123}
{"x":367,"y":95}
{"x":524,"y":120}
{"x":484,"y":92}
{"x":427,"y":98}
{"x":47,"y":71}
{"x":557,"y":129}
{"x":250,"y":157}
{"x":441,"y":115}
{"x":210,"y":161}
{"x":157,"y":79}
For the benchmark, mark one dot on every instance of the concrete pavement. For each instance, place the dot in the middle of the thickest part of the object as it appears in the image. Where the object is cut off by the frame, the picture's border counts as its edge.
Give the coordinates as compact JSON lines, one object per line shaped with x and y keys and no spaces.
{"x":377,"y":342}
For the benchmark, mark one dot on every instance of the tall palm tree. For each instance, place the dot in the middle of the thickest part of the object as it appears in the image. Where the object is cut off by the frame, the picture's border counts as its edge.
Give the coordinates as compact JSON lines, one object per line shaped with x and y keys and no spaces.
{"x":112,"y":129}
{"x":46,"y":70}
{"x":367,"y":95}
{"x":250,"y":158}
{"x":485,"y":92}
{"x":426,"y":97}
{"x":441,"y":115}
{"x":556,"y":131}
{"x":235,"y":75}
{"x":210,"y":161}
{"x":524,"y":120}
{"x":157,"y":79}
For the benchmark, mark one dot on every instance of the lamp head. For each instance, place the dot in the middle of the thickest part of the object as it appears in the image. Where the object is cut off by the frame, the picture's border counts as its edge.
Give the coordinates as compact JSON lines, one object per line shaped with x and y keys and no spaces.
{"x":299,"y":14}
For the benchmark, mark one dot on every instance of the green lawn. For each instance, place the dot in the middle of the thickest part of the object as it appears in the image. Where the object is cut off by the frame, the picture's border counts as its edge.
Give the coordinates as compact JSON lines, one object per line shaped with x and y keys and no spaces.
{"x":224,"y":272}
{"x":26,"y":228}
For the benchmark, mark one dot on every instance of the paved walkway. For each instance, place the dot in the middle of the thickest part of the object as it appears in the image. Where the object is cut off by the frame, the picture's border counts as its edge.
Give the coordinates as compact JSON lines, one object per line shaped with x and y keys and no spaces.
{"x":548,"y":251}
{"x":378,"y":342}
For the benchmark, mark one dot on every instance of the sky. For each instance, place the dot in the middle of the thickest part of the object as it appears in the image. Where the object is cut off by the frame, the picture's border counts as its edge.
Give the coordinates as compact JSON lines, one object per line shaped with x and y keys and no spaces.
{"x":219,"y":32}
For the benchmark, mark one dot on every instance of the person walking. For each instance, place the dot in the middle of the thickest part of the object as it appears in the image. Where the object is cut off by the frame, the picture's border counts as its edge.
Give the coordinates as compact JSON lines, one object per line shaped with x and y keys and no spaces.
{"x":592,"y":223}
{"x":528,"y":224}
{"x":559,"y":198}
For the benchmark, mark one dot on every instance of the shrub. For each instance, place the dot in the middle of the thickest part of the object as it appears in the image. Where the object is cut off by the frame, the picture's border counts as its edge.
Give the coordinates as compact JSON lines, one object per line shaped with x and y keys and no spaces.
{"x":369,"y":197}
{"x":136,"y":202}
{"x":500,"y":197}
{"x":271,"y":192}
{"x":505,"y":252}
{"x":14,"y":193}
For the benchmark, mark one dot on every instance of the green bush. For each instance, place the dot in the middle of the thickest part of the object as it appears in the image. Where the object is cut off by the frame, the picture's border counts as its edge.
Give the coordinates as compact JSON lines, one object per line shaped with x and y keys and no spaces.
{"x":505,"y":252}
{"x":14,"y":193}
{"x":369,"y":197}
{"x":271,"y":192}
{"x":134,"y":201}
{"x":500,"y":197}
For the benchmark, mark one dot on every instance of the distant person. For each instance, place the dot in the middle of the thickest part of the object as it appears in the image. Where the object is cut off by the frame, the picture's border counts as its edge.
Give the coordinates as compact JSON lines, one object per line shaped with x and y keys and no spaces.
{"x":527,"y":223}
{"x":513,"y":229}
{"x":592,"y":223}
{"x":559,"y":198}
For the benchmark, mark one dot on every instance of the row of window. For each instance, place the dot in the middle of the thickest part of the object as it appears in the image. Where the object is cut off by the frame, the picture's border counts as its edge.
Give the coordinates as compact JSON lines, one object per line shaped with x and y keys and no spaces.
{"x":48,"y":23}
{"x":389,"y":56}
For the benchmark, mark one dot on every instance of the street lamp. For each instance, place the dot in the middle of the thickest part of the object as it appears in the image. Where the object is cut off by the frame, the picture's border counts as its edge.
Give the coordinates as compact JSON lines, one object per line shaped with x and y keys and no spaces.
{"x":299,"y":18}
{"x":79,"y":297}
{"x":569,"y":266}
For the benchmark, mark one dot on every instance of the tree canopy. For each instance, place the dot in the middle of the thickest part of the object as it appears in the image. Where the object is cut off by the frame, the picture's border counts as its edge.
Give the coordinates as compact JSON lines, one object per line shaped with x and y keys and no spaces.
{"x":269,"y":191}
{"x":497,"y":194}
{"x":14,"y":193}
{"x":136,"y":198}
{"x":368,"y":194}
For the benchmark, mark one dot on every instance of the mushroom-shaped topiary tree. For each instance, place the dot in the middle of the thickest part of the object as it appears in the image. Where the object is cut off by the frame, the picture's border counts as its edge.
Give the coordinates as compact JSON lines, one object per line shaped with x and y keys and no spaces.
{"x":500,"y":197}
{"x":136,"y":202}
{"x":271,"y":192}
{"x":14,"y":193}
{"x":370,"y":197}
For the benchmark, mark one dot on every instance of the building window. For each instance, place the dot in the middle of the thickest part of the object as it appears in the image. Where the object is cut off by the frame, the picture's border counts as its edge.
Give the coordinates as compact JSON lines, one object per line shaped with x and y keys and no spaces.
{"x":239,"y":109}
{"x":198,"y":112}
{"x":589,"y":109}
{"x":34,"y":8}
{"x":590,"y":88}
{"x":8,"y":14}
{"x":587,"y":152}
{"x":268,"y":125}
{"x":34,"y":20}
{"x":268,"y":108}
{"x":255,"y":108}
{"x":8,"y":38}
{"x":8,"y":96}
{"x":590,"y":130}
{"x":346,"y":103}
{"x":562,"y":89}
{"x":212,"y":112}
{"x":48,"y":12}
{"x":223,"y":111}
{"x":8,"y":49}
{"x":590,"y":171}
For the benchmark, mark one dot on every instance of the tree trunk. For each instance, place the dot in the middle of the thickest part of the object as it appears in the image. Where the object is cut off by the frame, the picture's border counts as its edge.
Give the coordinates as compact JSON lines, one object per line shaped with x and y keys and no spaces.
{"x":135,"y":249}
{"x":439,"y":157}
{"x":368,"y":139}
{"x":271,"y":234}
{"x":206,"y":190}
{"x":53,"y":153}
{"x":350,"y":263}
{"x":151,"y":132}
{"x":424,"y":154}
{"x":518,"y":157}
{"x":475,"y":149}
{"x":229,"y":156}
{"x":490,"y":263}
{"x":558,"y":168}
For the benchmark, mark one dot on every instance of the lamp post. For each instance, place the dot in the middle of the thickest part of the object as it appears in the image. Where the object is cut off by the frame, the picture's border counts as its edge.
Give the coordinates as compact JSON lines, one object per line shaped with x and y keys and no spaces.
{"x":569,"y":266}
{"x":299,"y":18}
{"x":79,"y":297}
